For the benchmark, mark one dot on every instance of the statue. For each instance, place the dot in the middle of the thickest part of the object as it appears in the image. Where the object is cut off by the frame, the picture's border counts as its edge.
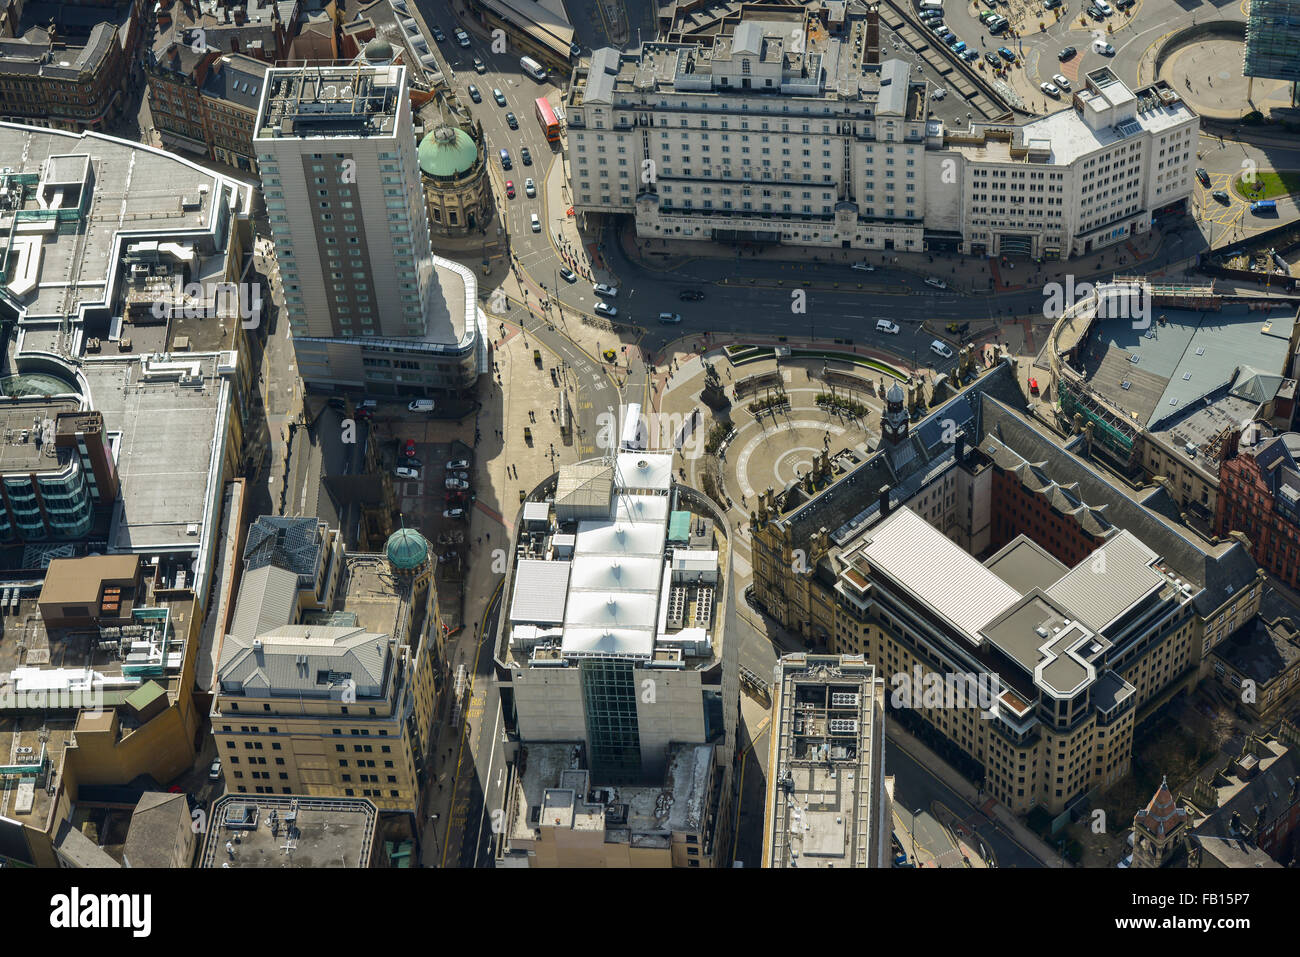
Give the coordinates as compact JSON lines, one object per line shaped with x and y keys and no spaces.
{"x":714,"y":394}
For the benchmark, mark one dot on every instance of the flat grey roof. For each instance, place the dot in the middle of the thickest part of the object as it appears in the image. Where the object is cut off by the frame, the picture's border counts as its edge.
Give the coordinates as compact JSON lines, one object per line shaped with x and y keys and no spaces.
{"x":1025,"y":565}
{"x":1207,"y":346}
{"x":170,"y":444}
{"x":541,"y":590}
{"x":331,"y":832}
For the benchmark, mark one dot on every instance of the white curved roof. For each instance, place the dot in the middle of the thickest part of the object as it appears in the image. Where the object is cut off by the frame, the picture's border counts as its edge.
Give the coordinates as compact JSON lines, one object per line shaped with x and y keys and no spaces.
{"x":605,"y":610}
{"x":633,"y":574}
{"x":642,"y":508}
{"x":620,"y":538}
{"x":608,"y":641}
{"x":644,"y":470}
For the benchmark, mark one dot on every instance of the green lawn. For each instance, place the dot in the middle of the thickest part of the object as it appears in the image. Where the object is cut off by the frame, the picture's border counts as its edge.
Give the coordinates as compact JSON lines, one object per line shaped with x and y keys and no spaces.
{"x":1275,"y":184}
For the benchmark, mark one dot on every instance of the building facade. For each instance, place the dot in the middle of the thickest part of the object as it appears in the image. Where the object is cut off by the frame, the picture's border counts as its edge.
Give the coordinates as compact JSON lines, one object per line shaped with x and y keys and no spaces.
{"x":1259,"y":497}
{"x":1272,"y":32}
{"x":777,"y":130}
{"x":368,"y":303}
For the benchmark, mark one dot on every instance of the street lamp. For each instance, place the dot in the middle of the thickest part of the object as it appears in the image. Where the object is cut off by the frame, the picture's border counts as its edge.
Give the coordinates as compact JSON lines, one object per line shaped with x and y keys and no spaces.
{"x":913,"y":829}
{"x":433,"y":826}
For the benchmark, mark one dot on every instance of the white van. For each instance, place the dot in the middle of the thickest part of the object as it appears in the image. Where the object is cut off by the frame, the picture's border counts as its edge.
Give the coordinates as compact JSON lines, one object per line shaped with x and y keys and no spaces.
{"x":941,"y":348}
{"x":420,"y":405}
{"x":932,"y":5}
{"x":532,"y":68}
{"x":884,"y":325}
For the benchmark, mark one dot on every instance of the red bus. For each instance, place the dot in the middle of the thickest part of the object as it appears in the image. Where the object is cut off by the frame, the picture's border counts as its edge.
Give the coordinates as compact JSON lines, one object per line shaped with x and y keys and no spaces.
{"x":546,"y":117}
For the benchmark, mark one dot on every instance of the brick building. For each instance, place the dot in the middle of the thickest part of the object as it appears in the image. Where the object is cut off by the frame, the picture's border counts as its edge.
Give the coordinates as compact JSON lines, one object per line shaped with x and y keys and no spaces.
{"x":1259,"y":496}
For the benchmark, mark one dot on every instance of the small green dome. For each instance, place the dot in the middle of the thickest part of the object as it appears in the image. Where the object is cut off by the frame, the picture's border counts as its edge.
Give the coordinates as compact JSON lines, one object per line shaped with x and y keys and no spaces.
{"x":378,"y":50}
{"x":447,"y":152}
{"x":407,"y":549}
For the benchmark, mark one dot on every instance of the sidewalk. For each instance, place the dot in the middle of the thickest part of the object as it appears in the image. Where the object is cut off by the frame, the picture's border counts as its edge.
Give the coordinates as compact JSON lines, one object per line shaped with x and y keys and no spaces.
{"x":1030,"y":841}
{"x":968,"y":274}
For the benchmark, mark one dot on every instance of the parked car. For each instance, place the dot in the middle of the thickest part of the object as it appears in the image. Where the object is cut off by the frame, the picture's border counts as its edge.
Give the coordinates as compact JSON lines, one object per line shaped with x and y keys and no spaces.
{"x":474,"y":94}
{"x":604,"y":289}
{"x":462,"y":38}
{"x":512,"y":121}
{"x":970,"y":56}
{"x":439,"y":35}
{"x":463,"y":476}
{"x":605,"y":309}
{"x":690,"y":295}
{"x":1222,"y":197}
{"x":1203,"y":176}
{"x":1066,"y":54}
{"x":992,"y":60}
{"x":941,"y":348}
{"x":479,"y":66}
{"x":505,"y":159}
{"x":1094,"y":11}
{"x":214,"y":770}
{"x":530,"y":188}
{"x":420,"y":405}
{"x":412,"y":462}
{"x":453,"y":513}
{"x":408,"y":447}
{"x":885,"y":326}
{"x":457,"y":465}
{"x":510,"y":189}
{"x":455,"y":484}
{"x":535,"y":222}
{"x":1051,"y":89}
{"x":499,"y":97}
{"x":1123,"y":4}
{"x":936,"y":283}
{"x":526,"y":156}
{"x":939,"y":94}
{"x":863,"y":267}
{"x":568,"y":275}
{"x":670,"y":317}
{"x":1052,"y":4}
{"x":1105,"y":8}
{"x":1062,"y":82}
{"x":1006,"y":54}
{"x":403,"y":472}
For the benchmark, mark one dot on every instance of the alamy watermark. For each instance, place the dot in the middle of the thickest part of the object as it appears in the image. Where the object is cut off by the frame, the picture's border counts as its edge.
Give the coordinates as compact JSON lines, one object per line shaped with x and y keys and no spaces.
{"x":1116,"y":300}
{"x":919,"y":689}
{"x":212,"y":301}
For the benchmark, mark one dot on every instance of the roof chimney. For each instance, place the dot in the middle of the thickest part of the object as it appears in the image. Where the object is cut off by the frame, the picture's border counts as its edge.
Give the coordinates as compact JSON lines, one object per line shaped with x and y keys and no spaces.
{"x":884,"y":501}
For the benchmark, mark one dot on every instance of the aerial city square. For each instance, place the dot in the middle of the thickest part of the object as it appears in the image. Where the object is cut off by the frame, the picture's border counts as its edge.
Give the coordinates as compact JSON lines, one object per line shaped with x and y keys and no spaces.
{"x":651,"y":433}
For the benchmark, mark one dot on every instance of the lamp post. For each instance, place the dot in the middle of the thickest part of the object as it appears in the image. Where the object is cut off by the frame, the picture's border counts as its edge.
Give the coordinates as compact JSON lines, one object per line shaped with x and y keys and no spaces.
{"x":433,"y":826}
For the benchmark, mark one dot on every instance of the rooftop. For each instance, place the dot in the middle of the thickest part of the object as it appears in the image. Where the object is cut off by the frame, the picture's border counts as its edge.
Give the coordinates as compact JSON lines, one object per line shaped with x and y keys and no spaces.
{"x":327,"y":832}
{"x":28,"y":434}
{"x":331,"y":101}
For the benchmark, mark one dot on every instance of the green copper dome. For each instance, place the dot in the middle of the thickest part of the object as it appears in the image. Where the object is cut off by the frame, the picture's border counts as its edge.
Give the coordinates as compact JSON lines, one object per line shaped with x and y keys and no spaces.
{"x":447,"y":152}
{"x":378,"y":50}
{"x":407,"y":549}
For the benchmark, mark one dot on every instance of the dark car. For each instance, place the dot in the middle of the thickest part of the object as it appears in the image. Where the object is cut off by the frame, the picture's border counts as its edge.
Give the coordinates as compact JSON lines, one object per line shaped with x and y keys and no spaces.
{"x":1066,"y":54}
{"x":511,"y":121}
{"x":1007,"y":54}
{"x":526,"y":156}
{"x":439,"y":35}
{"x":690,"y":295}
{"x":1095,"y":12}
{"x":1203,"y":176}
{"x":474,"y":94}
{"x":992,"y":60}
{"x":1222,"y":196}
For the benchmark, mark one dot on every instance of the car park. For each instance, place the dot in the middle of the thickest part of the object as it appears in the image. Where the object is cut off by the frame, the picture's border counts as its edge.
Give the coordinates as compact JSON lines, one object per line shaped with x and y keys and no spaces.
{"x":605,"y":309}
{"x":1203,"y":176}
{"x":941,"y":348}
{"x":690,"y":295}
{"x":526,"y":156}
{"x":511,"y":121}
{"x":1066,"y":54}
{"x":884,"y":325}
{"x":457,"y":465}
{"x":1051,"y":89}
{"x":669,"y":317}
{"x":936,"y":283}
{"x":530,"y":188}
{"x":604,"y":289}
{"x":474,"y":94}
{"x":499,"y":97}
{"x":420,"y":405}
{"x":568,"y":275}
{"x":403,"y":472}
{"x":1222,"y":197}
{"x":1062,"y":82}
{"x":510,"y":189}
